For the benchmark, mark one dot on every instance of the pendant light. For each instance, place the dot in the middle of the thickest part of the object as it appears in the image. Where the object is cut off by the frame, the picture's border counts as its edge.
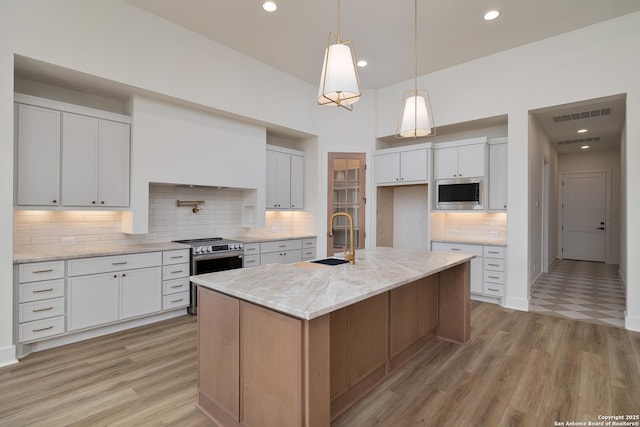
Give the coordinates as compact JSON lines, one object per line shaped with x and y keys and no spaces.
{"x":339,"y":83}
{"x":416,"y":117}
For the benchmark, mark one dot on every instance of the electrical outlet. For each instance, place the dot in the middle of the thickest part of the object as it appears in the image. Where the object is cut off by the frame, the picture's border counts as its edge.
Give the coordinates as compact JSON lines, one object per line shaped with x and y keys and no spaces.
{"x":68,"y":241}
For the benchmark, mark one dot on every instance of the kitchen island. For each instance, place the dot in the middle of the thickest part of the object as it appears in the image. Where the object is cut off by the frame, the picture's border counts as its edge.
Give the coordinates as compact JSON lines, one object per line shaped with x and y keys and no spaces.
{"x":297,"y":344}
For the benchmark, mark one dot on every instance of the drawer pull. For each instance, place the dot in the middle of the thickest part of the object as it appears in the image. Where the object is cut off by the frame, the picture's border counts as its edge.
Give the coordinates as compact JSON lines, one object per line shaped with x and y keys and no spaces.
{"x":42,"y":329}
{"x":249,"y":249}
{"x":42,"y":309}
{"x":494,"y":265}
{"x":455,"y":249}
{"x":282,"y":246}
{"x":493,"y":252}
{"x":119,"y":263}
{"x":176,"y":286}
{"x":177,"y":271}
{"x":39,"y":291}
{"x":177,"y":257}
{"x":493,"y":277}
{"x":494,"y":290}
{"x":49,"y":270}
{"x":250,"y":261}
{"x":178,"y":300}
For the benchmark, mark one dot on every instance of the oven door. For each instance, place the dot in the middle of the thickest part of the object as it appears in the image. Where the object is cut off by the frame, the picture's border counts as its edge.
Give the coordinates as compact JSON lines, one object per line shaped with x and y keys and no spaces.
{"x":210,"y":263}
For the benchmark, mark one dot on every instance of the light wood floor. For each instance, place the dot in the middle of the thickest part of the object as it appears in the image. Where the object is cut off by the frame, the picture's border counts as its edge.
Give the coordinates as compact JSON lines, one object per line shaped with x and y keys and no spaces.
{"x":518,"y":369}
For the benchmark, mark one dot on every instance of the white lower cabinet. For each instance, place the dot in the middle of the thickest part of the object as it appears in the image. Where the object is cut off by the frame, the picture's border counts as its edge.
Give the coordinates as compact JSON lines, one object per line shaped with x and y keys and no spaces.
{"x":308,"y":249}
{"x":281,"y":251}
{"x":140,"y":292}
{"x":175,"y":279}
{"x":93,"y":300}
{"x":488,"y":268}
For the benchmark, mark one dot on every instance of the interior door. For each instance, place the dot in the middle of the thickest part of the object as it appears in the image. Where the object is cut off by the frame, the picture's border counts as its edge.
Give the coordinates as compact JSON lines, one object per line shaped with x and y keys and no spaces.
{"x":583,"y":216}
{"x":346,"y":194}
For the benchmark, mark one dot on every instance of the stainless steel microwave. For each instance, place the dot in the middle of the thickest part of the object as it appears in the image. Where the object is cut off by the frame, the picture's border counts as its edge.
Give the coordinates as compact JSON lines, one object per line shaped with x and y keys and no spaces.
{"x":459,"y":193}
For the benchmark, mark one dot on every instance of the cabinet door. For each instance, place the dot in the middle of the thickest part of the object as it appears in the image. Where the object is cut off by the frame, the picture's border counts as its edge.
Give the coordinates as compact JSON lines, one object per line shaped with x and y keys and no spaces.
{"x":387,"y":168}
{"x":93,"y":300}
{"x":140,"y":292}
{"x":476,"y":278}
{"x":80,"y":160}
{"x":471,"y":160}
{"x":413,"y":166}
{"x":272,"y":180}
{"x":113,"y":166}
{"x":38,"y":156}
{"x":445,"y":161}
{"x":297,"y":182}
{"x":498,"y":176}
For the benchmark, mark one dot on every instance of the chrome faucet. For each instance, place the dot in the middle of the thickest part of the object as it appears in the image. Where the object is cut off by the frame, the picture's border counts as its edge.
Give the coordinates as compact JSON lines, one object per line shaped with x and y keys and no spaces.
{"x":351,"y":255}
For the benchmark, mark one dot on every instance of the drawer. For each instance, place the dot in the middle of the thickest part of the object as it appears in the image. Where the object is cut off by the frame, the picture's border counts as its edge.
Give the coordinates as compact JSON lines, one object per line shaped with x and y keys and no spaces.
{"x":174,"y":286}
{"x":251,"y":260}
{"x":175,"y":271}
{"x":105,"y":264}
{"x":494,"y":251}
{"x":251,"y":249}
{"x":35,"y":271}
{"x":175,"y":257}
{"x":494,"y":289}
{"x":494,"y":277}
{"x":41,"y":290}
{"x":33,"y":331}
{"x":493,"y":264}
{"x":284,"y":257}
{"x":308,"y":243}
{"x":308,"y":253}
{"x":37,"y":310}
{"x":280,"y":245}
{"x":175,"y":300}
{"x":457,"y":247}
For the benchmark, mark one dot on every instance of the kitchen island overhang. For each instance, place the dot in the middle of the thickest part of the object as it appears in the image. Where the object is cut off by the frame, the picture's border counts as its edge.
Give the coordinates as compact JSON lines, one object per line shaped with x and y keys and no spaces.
{"x":298,"y":344}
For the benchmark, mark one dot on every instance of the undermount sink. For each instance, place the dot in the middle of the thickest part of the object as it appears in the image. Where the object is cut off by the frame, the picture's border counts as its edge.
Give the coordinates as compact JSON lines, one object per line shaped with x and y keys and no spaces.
{"x":330,"y":261}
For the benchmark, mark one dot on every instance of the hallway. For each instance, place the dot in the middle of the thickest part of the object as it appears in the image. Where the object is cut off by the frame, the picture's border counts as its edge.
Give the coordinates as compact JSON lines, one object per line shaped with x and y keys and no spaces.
{"x":581,"y":290}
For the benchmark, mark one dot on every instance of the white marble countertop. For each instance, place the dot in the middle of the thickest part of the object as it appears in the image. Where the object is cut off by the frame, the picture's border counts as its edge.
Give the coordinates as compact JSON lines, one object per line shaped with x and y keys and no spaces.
{"x":473,"y":241}
{"x":255,"y":237}
{"x":306,"y":290}
{"x":72,"y":252}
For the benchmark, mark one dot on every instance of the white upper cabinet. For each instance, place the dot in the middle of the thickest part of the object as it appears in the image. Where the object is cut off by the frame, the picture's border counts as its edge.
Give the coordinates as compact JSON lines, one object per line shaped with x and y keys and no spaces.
{"x":459,"y":161}
{"x":498,"y":176}
{"x":406,"y":165}
{"x":95,"y":155}
{"x":71,"y":156}
{"x":285,"y":179}
{"x":38,"y":156}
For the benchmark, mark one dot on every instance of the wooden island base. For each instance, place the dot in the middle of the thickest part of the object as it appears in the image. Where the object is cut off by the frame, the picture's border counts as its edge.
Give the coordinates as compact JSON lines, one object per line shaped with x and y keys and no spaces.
{"x":259,"y":367}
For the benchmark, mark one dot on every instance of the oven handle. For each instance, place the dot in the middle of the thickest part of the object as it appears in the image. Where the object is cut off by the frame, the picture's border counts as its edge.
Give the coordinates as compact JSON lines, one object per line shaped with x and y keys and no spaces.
{"x":218,"y":255}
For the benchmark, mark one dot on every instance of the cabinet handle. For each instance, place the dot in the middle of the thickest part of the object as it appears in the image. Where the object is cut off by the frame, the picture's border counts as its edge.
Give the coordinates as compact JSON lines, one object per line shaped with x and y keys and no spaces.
{"x":249,"y":249}
{"x":93,"y":202}
{"x":115,"y":276}
{"x":102,"y":202}
{"x":42,"y":309}
{"x":42,"y":329}
{"x":493,"y":252}
{"x":493,"y":277}
{"x":176,"y":286}
{"x":494,"y":265}
{"x":455,"y":249}
{"x":124,"y":275}
{"x":494,"y":290}
{"x":43,"y":271}
{"x":176,"y":257}
{"x":504,"y":206}
{"x":282,"y":246}
{"x":177,"y":300}
{"x":251,"y":261}
{"x":177,"y":271}
{"x":39,"y":291}
{"x":119,"y":263}
{"x":53,"y":201}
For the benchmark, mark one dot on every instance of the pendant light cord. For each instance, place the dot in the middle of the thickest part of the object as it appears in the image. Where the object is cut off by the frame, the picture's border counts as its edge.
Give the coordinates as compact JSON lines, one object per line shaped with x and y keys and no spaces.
{"x":339,"y":41}
{"x":415,"y":47}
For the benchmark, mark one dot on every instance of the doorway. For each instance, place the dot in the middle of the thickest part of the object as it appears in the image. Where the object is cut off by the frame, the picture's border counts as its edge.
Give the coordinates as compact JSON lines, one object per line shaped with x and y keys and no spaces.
{"x":346,"y":193}
{"x":584,"y":207}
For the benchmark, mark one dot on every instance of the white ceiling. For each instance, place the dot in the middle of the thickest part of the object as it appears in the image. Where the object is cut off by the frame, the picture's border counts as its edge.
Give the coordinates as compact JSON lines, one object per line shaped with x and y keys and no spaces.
{"x":450,"y":32}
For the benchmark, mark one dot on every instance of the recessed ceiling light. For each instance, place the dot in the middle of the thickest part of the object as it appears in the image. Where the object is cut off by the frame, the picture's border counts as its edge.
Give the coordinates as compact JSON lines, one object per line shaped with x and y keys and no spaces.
{"x":269,"y":6}
{"x":585,"y":147}
{"x":361,"y":63}
{"x":583,"y":130}
{"x":491,"y":15}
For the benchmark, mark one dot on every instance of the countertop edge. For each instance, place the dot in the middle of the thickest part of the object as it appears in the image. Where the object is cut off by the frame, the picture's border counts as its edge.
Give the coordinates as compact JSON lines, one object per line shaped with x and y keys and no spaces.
{"x":472,"y":242}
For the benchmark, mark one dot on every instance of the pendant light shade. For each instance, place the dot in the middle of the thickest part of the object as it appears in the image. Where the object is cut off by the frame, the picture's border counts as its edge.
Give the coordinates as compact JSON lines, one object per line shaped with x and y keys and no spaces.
{"x":339,"y":83}
{"x":416,"y":118}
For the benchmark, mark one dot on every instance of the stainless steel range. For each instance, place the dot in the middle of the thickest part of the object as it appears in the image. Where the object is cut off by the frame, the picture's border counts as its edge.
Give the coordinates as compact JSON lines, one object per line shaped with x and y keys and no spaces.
{"x":209,"y":255}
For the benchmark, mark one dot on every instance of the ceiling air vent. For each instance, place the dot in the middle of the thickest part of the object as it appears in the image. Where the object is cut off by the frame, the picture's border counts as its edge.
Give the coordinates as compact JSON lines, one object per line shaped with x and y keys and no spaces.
{"x":582,"y":115}
{"x":579,"y":140}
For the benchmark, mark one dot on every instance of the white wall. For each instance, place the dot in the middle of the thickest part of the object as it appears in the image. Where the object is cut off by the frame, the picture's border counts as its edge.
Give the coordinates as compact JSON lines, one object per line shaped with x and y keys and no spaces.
{"x":550,"y":72}
{"x":623,"y":206}
{"x":608,"y":161}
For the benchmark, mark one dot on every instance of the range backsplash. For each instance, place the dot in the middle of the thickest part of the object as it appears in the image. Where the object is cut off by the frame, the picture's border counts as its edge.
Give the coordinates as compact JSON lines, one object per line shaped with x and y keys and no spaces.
{"x":220,"y":216}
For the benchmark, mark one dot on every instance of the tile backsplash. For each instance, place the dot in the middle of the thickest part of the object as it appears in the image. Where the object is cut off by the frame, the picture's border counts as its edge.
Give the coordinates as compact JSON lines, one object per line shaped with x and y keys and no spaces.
{"x":469,"y":225}
{"x":221,"y":215}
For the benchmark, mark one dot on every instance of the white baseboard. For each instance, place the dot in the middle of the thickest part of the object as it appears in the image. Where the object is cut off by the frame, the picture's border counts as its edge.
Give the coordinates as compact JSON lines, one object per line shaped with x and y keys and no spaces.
{"x":632,"y":323}
{"x":8,"y":356}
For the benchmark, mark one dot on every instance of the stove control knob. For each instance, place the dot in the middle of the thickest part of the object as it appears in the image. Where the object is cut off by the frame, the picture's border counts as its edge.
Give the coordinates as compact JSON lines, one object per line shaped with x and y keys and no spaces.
{"x":209,"y":249}
{"x":240,"y":246}
{"x":196,"y":250}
